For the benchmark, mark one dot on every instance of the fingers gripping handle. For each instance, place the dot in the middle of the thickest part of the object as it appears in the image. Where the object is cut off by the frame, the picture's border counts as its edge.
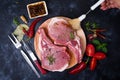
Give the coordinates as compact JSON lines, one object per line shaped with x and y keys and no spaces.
{"x":96,"y":4}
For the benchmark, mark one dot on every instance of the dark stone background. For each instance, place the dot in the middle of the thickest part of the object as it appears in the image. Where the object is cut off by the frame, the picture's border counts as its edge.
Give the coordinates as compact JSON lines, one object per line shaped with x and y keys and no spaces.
{"x":14,"y":67}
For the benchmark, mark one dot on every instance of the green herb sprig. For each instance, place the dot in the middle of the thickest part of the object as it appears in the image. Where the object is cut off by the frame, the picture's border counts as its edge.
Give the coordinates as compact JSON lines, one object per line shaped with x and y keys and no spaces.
{"x":15,"y":21}
{"x":72,"y":36}
{"x":51,"y":59}
{"x":100,"y":46}
{"x":90,"y":26}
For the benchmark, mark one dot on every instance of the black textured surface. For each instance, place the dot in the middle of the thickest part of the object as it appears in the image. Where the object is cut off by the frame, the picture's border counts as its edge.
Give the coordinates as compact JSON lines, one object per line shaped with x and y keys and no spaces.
{"x":14,"y":67}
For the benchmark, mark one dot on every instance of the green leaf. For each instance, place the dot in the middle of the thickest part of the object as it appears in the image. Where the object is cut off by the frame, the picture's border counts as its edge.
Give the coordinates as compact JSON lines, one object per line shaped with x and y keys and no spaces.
{"x":101,"y":48}
{"x":16,"y":22}
{"x":87,"y":26}
{"x":104,"y":50}
{"x":104,"y":44}
{"x":51,"y":59}
{"x":96,"y":42}
{"x":98,"y":48}
{"x":72,"y":35}
{"x":94,"y":25}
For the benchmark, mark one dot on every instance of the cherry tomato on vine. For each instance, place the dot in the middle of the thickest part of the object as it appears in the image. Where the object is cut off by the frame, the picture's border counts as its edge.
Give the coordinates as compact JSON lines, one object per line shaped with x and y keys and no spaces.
{"x":90,"y":50}
{"x":93,"y":64}
{"x":99,"y":55}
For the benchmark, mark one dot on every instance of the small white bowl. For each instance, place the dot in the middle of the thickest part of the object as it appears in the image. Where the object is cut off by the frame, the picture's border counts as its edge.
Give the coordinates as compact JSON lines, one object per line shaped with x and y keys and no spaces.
{"x":37,"y":9}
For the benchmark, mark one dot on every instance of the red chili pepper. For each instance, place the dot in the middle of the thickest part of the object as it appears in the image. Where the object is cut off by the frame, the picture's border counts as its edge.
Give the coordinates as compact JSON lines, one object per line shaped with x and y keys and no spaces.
{"x":90,"y":50}
{"x":93,"y":64}
{"x":30,"y":33}
{"x":43,"y":71}
{"x":99,"y":55}
{"x":101,"y":36}
{"x":78,"y":68}
{"x":98,"y":30}
{"x":92,"y":36}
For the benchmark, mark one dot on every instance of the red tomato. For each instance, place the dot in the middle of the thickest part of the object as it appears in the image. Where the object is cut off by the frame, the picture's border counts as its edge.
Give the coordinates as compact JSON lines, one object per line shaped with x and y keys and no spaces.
{"x":90,"y":50}
{"x":99,"y":55}
{"x":93,"y":64}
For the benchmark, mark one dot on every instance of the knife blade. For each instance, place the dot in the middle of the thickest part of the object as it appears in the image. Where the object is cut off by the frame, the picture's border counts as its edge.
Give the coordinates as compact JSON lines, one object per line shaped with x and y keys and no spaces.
{"x":29,"y":62}
{"x":18,"y":45}
{"x":33,"y":57}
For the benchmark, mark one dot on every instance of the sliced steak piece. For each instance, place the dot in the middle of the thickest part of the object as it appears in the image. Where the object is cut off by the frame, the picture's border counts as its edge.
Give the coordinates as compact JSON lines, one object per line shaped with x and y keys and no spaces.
{"x":75,"y":47}
{"x":53,"y":58}
{"x":43,"y":41}
{"x":59,"y":30}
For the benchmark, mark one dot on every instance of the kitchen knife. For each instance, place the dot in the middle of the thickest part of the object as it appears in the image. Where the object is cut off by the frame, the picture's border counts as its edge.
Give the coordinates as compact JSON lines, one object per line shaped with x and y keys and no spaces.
{"x":30,"y":63}
{"x":33,"y":57}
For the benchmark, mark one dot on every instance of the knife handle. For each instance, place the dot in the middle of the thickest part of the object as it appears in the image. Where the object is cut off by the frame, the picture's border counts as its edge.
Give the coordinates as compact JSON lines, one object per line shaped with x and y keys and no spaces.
{"x":96,"y":4}
{"x":43,"y":71}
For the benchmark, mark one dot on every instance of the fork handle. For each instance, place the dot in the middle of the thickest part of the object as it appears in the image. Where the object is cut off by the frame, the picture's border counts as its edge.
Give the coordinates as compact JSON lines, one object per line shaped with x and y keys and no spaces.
{"x":96,"y":5}
{"x":43,"y":71}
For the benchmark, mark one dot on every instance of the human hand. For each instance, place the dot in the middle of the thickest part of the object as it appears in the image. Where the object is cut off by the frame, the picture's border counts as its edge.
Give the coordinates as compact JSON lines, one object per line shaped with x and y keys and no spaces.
{"x":107,"y":4}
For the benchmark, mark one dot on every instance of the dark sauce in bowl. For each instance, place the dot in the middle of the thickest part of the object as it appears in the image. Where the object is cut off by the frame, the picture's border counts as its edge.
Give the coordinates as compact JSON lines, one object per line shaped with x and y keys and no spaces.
{"x":37,"y":9}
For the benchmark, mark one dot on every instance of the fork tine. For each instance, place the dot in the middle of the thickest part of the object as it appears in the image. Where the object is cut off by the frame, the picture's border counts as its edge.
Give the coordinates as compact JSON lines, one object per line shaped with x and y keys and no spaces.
{"x":23,"y":42}
{"x":15,"y":38}
{"x":26,"y":47}
{"x":12,"y":40}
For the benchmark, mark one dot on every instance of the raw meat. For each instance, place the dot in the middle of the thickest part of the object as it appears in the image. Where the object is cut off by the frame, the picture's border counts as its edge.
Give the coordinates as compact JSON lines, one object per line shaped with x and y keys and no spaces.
{"x":59,"y":30}
{"x":53,"y":58}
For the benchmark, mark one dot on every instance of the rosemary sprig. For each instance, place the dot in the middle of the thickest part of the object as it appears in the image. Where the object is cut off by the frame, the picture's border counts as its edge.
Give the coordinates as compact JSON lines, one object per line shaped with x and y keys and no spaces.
{"x":72,"y":35}
{"x":51,"y":59}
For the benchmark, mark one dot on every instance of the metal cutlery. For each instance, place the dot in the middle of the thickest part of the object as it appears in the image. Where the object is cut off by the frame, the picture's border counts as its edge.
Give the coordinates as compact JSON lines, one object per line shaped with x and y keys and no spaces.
{"x":18,"y":45}
{"x":33,"y":57}
{"x":82,"y":17}
{"x":75,"y":23}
